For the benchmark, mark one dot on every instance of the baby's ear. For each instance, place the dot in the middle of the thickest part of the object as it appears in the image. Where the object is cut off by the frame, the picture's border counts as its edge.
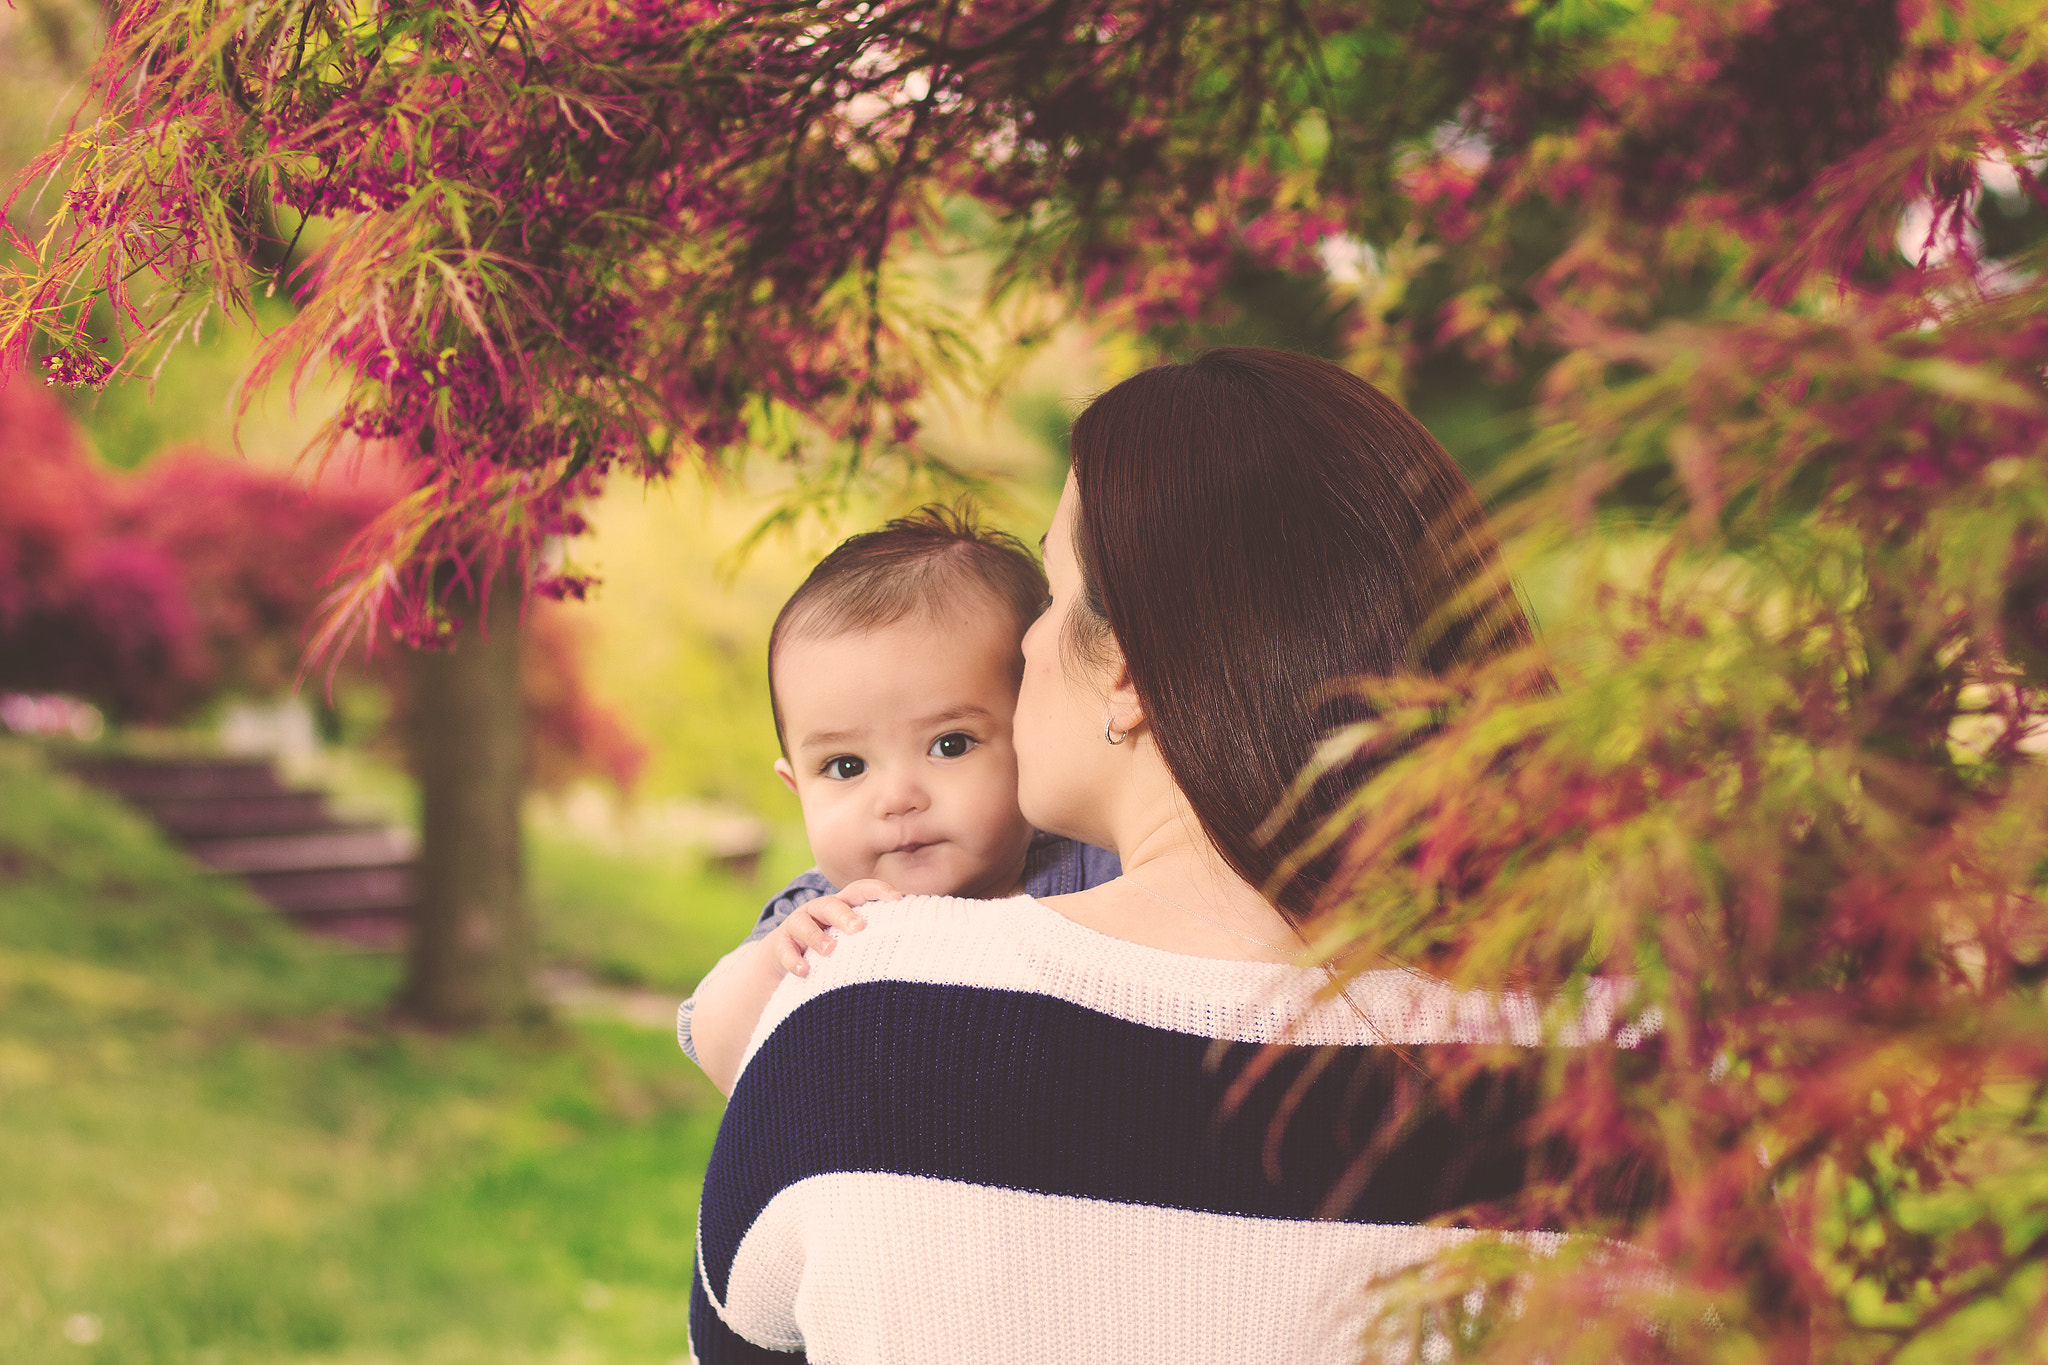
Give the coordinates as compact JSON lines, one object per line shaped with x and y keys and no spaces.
{"x":786,"y":773}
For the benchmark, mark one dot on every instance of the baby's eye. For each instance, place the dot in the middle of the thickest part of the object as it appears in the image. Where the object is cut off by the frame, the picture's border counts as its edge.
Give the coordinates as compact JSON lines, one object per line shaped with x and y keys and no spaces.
{"x":952,"y":744}
{"x":843,"y":767}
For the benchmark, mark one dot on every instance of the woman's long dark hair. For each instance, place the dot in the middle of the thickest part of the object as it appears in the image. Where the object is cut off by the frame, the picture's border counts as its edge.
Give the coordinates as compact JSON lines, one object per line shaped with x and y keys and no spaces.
{"x":1254,"y":527}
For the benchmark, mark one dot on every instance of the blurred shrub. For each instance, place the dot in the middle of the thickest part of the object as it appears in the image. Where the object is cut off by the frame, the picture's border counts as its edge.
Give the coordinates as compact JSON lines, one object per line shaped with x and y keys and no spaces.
{"x":250,"y":549}
{"x":153,"y":593}
{"x":85,"y":607}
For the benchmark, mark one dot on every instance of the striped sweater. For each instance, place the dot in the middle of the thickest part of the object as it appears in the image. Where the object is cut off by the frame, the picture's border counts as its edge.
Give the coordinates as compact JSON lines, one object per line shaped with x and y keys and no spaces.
{"x":979,"y":1132}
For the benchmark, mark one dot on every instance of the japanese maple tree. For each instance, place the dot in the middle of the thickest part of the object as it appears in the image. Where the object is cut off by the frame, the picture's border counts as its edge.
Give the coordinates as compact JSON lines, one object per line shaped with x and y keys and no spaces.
{"x":1788,"y":776}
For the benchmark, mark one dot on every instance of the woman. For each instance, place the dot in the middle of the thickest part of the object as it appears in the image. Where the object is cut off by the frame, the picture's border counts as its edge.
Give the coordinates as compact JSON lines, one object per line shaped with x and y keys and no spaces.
{"x":1059,"y":1130}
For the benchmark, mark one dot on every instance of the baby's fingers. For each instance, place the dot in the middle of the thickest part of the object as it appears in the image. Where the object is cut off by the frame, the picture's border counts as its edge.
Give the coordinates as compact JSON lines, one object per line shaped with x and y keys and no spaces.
{"x":789,"y":954}
{"x":809,"y":929}
{"x":834,"y":911}
{"x":800,"y":933}
{"x":867,"y":889}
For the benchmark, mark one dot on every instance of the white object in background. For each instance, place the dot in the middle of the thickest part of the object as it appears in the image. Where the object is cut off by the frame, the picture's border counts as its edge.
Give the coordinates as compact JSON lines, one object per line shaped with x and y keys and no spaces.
{"x":28,"y":713}
{"x":281,"y":729}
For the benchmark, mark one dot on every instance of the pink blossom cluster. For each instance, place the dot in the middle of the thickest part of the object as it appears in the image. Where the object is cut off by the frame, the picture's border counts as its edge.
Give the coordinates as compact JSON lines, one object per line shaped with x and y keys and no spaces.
{"x":77,"y":367}
{"x":604,"y":236}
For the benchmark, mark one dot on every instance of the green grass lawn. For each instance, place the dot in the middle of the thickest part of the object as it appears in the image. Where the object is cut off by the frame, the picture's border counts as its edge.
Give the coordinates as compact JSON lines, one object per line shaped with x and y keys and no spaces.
{"x":648,"y":919}
{"x":216,"y":1148}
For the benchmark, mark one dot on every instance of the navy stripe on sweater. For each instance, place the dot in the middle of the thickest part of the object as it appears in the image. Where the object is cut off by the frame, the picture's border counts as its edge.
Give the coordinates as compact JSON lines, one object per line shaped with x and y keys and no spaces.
{"x":1038,"y":1093}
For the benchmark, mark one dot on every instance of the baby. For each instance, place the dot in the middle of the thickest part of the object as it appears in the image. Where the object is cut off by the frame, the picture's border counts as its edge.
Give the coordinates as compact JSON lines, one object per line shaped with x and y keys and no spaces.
{"x":893,"y":675}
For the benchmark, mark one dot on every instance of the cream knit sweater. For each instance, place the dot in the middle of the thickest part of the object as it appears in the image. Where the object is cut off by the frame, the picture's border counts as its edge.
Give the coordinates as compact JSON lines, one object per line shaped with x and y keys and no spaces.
{"x":978,"y":1132}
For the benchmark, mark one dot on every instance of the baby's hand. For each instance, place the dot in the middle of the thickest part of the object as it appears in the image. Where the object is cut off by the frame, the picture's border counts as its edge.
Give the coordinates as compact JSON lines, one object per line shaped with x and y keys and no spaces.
{"x":806,"y":928}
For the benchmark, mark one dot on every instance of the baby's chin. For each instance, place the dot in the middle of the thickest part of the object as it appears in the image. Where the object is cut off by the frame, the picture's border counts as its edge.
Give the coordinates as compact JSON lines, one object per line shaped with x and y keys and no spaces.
{"x":935,"y":870}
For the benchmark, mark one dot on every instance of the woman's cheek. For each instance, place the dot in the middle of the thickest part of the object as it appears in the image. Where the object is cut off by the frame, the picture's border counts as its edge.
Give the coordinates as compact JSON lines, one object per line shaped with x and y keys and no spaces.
{"x":1046,"y":767}
{"x":1022,"y":728}
{"x":1024,"y":735}
{"x":1039,"y":700}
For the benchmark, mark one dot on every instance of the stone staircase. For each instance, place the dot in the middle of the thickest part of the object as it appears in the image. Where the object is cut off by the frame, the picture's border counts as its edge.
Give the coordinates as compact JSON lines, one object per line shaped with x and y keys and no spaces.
{"x":340,"y":878}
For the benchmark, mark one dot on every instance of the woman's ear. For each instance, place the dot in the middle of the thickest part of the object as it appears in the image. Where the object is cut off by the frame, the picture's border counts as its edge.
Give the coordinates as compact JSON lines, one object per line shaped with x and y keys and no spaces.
{"x":1126,"y":711}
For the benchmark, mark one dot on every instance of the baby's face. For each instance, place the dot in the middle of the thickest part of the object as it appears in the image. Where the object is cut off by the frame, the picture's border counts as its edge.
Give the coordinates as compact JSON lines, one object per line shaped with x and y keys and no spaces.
{"x":900,"y":752}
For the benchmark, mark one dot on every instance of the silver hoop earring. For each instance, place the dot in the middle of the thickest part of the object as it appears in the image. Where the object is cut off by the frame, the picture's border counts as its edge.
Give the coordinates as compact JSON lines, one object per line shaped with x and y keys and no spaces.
{"x":1112,"y":735}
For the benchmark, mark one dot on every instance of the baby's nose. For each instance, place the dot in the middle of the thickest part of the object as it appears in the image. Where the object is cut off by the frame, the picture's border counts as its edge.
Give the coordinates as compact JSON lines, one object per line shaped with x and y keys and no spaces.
{"x":900,"y":794}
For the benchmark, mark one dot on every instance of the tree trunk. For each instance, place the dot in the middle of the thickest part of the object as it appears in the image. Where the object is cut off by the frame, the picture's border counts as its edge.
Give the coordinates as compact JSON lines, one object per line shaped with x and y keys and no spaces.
{"x":470,"y":958}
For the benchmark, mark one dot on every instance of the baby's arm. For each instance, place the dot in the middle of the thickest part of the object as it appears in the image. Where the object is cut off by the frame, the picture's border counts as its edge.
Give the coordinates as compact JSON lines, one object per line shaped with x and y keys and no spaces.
{"x":731,"y":997}
{"x":803,"y":887}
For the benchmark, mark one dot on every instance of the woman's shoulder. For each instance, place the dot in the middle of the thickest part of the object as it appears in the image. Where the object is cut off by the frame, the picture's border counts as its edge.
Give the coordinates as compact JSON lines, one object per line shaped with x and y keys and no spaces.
{"x":935,"y":938}
{"x":942,"y":912}
{"x":1020,"y":945}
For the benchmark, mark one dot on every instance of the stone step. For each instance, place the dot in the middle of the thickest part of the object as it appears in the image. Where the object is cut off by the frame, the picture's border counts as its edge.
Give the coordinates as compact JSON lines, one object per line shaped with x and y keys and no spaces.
{"x":192,"y":818}
{"x":333,"y":877}
{"x":146,"y":781}
{"x":318,"y":851}
{"x":328,"y":891}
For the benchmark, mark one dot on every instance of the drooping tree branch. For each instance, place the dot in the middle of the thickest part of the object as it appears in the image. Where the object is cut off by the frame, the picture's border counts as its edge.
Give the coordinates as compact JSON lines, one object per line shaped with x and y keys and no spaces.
{"x":1790,"y":781}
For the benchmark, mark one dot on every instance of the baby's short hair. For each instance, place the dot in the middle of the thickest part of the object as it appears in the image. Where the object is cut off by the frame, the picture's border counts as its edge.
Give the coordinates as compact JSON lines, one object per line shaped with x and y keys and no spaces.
{"x":935,"y":555}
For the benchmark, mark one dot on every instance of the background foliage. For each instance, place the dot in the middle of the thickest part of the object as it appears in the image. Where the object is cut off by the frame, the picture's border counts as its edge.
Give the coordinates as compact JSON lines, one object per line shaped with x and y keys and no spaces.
{"x":1776,"y":461}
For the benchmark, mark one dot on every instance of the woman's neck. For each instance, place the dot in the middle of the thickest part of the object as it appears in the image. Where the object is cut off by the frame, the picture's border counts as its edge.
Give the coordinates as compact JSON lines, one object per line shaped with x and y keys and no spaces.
{"x":1178,"y":893}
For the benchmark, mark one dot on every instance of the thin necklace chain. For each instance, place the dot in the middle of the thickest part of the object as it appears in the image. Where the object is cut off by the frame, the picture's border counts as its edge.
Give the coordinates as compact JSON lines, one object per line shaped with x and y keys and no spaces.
{"x":1237,"y":933}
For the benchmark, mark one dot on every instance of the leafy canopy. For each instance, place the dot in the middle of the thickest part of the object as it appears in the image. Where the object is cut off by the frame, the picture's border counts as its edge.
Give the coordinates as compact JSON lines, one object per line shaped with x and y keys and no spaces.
{"x":1789,"y":779}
